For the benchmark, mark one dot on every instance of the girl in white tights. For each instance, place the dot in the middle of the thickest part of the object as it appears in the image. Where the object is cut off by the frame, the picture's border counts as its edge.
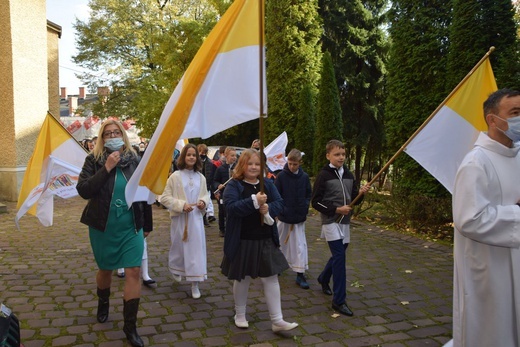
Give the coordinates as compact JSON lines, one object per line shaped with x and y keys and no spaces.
{"x":251,"y":242}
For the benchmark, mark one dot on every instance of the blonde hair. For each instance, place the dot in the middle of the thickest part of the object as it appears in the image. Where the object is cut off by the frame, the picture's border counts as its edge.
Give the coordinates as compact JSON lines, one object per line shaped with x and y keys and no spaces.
{"x":99,"y":148}
{"x":228,"y":150}
{"x":240,"y":168}
{"x":294,"y":155}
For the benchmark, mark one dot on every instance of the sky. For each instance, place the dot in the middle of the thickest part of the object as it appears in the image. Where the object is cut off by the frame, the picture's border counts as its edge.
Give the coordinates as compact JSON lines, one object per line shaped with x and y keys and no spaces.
{"x":64,"y":13}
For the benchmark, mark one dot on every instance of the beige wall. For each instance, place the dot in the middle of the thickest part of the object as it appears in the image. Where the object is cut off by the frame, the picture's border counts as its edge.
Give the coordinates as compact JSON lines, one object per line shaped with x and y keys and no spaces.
{"x":24,"y":87}
{"x":53,"y":67}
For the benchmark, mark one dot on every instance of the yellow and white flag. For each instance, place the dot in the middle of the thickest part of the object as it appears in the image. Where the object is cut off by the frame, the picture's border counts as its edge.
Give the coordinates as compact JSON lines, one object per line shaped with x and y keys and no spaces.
{"x":53,"y":169}
{"x":442,"y":144}
{"x":220,"y":89}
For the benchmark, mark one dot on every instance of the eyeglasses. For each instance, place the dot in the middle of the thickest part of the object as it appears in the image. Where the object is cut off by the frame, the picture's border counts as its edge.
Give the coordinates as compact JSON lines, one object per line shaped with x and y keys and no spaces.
{"x":115,"y":133}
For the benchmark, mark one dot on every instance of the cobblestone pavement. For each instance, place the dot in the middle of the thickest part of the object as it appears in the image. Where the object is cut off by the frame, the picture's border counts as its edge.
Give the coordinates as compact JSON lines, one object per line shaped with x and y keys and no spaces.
{"x":399,"y":287}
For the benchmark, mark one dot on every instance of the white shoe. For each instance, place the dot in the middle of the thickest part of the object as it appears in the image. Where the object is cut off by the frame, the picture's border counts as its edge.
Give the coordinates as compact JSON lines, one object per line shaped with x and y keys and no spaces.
{"x":195,"y":292}
{"x":177,"y":278}
{"x":283,"y":326}
{"x":242,"y":324}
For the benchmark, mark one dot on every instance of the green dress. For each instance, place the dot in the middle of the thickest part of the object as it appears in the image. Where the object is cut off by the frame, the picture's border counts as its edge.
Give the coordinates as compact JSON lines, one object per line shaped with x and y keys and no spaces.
{"x":119,"y":246}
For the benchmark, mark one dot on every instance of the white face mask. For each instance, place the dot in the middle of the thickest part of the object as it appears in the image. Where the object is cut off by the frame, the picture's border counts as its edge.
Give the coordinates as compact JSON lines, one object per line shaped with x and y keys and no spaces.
{"x":513,"y":131}
{"x":114,"y":144}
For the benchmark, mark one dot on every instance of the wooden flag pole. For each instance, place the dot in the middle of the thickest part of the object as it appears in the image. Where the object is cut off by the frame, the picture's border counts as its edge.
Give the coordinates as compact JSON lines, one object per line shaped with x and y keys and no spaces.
{"x":261,"y":84}
{"x":261,"y":71}
{"x":403,"y":147}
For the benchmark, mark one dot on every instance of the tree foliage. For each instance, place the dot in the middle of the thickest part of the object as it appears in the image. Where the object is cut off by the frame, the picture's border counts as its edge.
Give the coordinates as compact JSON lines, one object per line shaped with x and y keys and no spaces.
{"x":305,"y":129}
{"x":476,"y":26}
{"x":293,"y":60}
{"x":416,"y":82}
{"x":354,"y":36}
{"x":141,"y":50}
{"x":329,"y":124}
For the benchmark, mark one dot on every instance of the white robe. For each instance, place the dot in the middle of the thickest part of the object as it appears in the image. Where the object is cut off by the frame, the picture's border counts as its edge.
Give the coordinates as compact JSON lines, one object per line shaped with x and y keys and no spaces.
{"x":486,"y":288}
{"x":186,"y":257}
{"x":295,"y":249}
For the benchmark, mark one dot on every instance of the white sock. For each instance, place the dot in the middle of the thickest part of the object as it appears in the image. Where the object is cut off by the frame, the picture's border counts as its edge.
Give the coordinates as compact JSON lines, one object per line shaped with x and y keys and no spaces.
{"x":144,"y":269}
{"x":240,"y":293}
{"x":273,"y":299}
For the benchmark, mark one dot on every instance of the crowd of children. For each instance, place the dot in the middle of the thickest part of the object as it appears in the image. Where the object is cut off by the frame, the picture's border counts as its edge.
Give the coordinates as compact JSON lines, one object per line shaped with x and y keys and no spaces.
{"x":263,"y":229}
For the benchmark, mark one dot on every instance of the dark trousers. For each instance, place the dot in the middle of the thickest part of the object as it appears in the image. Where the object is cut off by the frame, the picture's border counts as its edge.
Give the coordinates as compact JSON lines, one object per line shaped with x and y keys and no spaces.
{"x":336,"y":268}
{"x":221,"y":216}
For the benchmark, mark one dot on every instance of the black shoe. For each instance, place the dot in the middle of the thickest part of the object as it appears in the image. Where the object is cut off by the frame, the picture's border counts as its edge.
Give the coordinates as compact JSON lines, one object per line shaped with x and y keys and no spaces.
{"x":325,"y":288}
{"x":343,"y":309}
{"x":221,"y":233}
{"x":211,"y":219}
{"x":302,"y":281}
{"x":206,"y":223}
{"x":150,"y":283}
{"x":103,"y":304}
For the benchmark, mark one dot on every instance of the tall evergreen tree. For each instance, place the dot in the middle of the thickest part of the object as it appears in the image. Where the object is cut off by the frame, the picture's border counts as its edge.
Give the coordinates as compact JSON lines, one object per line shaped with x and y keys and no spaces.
{"x":478,"y":25}
{"x":305,"y":129}
{"x":416,"y":82}
{"x":329,"y":123}
{"x":293,"y":59}
{"x":354,"y":36}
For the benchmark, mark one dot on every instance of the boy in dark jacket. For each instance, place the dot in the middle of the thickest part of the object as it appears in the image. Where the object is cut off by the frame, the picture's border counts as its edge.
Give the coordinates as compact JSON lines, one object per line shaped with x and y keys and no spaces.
{"x":334,"y":189}
{"x":295,"y":188}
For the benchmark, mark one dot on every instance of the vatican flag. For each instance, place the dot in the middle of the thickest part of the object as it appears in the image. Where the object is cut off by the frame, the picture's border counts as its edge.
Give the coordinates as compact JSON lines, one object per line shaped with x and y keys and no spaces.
{"x":220,"y":89}
{"x":53,"y":170}
{"x":444,"y":141}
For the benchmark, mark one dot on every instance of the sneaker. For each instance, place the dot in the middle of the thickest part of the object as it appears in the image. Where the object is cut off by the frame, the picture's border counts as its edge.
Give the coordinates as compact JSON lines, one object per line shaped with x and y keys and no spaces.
{"x":195,"y":292}
{"x":121,"y":273}
{"x":211,"y":219}
{"x":302,"y":281}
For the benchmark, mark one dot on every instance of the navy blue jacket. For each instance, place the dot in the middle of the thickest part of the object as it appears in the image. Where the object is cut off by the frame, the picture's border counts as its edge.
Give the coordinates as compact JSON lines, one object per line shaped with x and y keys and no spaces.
{"x":237,"y":208}
{"x":295,"y":189}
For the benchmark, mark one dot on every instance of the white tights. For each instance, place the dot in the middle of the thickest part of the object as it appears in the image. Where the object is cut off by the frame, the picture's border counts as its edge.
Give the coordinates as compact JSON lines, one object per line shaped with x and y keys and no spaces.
{"x":272,"y":298}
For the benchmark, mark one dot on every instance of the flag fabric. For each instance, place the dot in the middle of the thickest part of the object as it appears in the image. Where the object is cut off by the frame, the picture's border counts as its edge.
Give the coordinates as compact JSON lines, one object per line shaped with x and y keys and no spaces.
{"x":52,"y":170}
{"x":275,"y":152}
{"x":442,"y":144}
{"x":220,"y":89}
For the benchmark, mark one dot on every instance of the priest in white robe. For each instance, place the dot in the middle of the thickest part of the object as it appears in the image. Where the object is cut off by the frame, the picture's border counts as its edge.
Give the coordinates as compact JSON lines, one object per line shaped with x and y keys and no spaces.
{"x":486,"y":215}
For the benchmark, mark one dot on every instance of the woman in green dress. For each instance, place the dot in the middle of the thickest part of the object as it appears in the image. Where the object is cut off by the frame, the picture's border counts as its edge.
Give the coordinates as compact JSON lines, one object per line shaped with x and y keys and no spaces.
{"x":116,"y":231}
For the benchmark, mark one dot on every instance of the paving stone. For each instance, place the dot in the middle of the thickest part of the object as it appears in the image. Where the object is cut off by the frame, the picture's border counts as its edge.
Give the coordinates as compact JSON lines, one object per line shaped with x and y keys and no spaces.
{"x":47,"y":277}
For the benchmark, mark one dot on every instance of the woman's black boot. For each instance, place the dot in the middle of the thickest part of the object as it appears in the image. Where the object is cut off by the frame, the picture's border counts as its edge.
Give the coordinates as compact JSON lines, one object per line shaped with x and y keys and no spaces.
{"x":130,"y":309}
{"x":103,"y":304}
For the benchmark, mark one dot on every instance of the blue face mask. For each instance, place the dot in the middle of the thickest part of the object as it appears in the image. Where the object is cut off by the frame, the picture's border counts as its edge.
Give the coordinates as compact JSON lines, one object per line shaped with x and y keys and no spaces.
{"x":114,"y":144}
{"x":513,"y":131}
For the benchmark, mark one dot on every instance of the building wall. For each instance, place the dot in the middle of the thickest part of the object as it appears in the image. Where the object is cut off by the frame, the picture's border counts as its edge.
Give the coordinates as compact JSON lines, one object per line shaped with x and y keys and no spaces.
{"x":23,"y":87}
{"x":53,"y":67}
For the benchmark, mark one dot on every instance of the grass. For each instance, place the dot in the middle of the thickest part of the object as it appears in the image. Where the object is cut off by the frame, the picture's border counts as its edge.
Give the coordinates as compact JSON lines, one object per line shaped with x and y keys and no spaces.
{"x":381,"y":209}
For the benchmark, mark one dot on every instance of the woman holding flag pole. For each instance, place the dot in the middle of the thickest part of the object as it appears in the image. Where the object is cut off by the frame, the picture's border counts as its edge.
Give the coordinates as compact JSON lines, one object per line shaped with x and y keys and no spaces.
{"x":116,"y":230}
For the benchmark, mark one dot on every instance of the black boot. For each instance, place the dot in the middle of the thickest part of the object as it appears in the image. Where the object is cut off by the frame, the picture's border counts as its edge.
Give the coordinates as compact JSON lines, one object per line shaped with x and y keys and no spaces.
{"x":130,"y":309}
{"x":103,"y":304}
